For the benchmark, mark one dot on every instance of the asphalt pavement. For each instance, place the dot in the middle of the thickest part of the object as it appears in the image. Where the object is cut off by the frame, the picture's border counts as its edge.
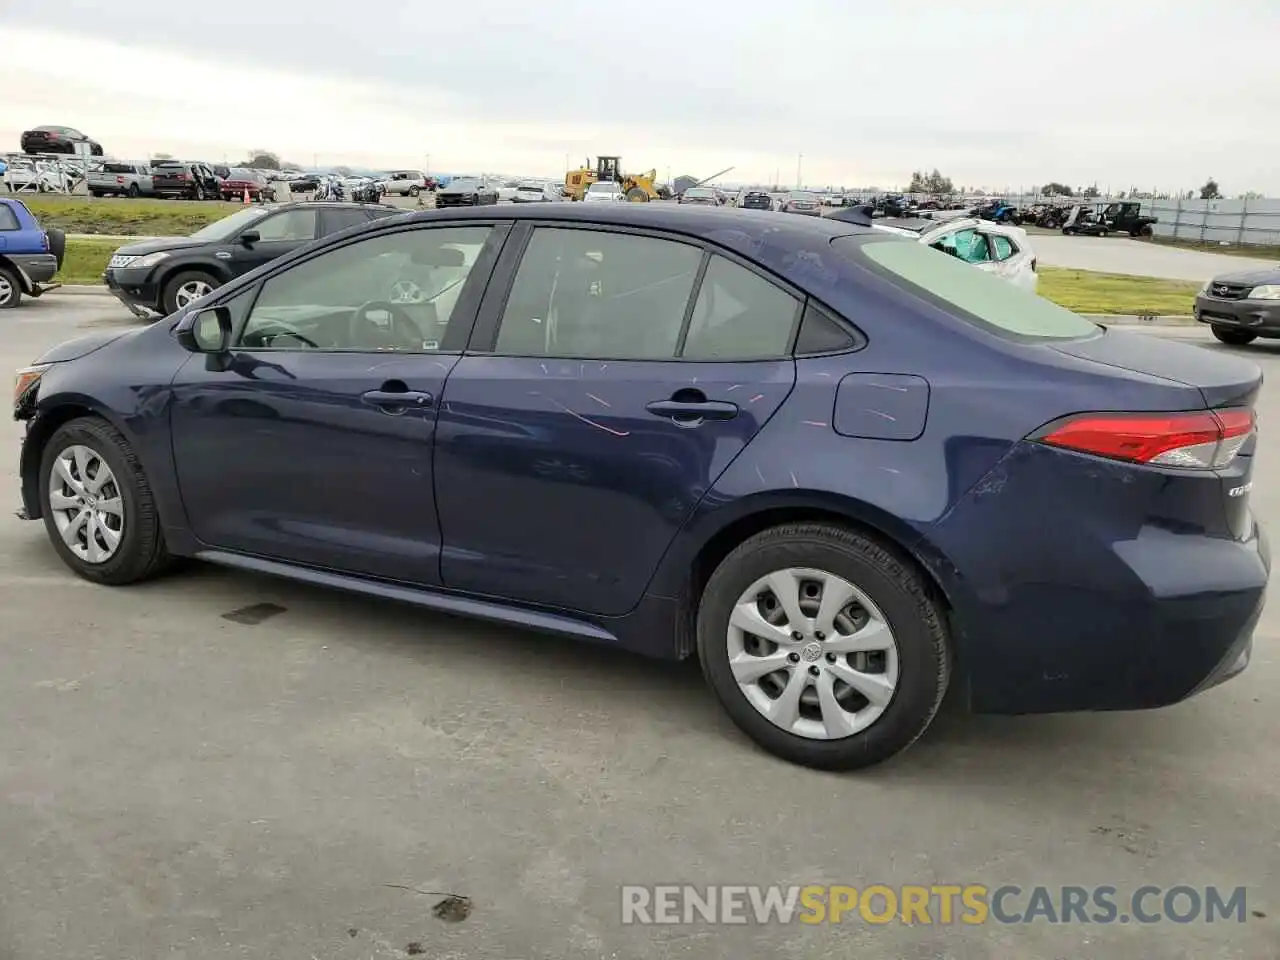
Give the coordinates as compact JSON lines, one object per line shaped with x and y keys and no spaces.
{"x":310,"y":778}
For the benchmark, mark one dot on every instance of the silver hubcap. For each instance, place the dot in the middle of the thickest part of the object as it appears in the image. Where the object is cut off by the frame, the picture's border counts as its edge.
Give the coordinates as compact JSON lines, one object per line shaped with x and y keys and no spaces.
{"x":6,"y":289}
{"x":84,"y":501}
{"x":812,"y":653}
{"x":191,"y":290}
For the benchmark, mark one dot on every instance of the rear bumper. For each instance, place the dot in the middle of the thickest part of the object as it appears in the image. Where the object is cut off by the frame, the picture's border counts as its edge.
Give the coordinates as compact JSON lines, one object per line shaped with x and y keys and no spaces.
{"x":37,"y":267}
{"x":1260,"y":316}
{"x":1088,"y":600}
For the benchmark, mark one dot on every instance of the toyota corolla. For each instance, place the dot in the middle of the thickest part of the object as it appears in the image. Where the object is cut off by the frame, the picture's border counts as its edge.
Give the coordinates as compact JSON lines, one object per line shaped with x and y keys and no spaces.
{"x":843,"y":471}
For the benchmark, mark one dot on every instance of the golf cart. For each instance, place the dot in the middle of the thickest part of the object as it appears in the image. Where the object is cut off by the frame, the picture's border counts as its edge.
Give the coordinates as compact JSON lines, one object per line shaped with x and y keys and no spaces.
{"x":1119,"y":217}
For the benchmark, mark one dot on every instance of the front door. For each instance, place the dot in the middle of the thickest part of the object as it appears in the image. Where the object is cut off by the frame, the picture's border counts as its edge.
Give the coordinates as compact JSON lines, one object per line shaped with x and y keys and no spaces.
{"x":621,"y":377}
{"x":276,"y":235}
{"x":313,"y":445}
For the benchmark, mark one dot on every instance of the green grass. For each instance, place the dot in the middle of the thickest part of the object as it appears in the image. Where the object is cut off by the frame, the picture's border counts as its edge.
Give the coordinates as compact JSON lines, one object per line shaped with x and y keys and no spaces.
{"x":86,"y":259}
{"x":124,"y":217}
{"x":1111,"y":293}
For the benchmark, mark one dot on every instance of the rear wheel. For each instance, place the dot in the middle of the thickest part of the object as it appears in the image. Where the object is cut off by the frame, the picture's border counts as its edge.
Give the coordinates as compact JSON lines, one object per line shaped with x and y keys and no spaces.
{"x":10,"y":288}
{"x":95,"y":193}
{"x":824,"y":648}
{"x":133,"y":190}
{"x":637,"y":195}
{"x":1236,"y":338}
{"x":414,"y":191}
{"x":97,"y":505}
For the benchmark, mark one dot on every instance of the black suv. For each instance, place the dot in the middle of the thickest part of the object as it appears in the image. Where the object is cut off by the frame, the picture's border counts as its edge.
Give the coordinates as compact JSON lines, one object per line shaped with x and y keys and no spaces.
{"x":1242,"y":306}
{"x":757,"y":198}
{"x":187,"y":181}
{"x":165,"y":274}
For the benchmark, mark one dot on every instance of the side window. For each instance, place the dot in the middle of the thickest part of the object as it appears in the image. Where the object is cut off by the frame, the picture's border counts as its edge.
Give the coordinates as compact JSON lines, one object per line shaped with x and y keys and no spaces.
{"x":296,"y":224}
{"x":392,"y":292}
{"x":968,"y":245}
{"x":588,"y":293}
{"x":739,"y":316}
{"x":331,"y":221}
{"x":820,"y":333}
{"x":1002,"y":247}
{"x":8,"y":219}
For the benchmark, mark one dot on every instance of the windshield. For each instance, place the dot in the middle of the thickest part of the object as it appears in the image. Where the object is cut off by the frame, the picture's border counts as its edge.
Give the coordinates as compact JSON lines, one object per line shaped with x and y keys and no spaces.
{"x":117,"y":168}
{"x":986,"y":301}
{"x":229,"y":226}
{"x":801,"y":195}
{"x":700,"y":192}
{"x":464,"y":184}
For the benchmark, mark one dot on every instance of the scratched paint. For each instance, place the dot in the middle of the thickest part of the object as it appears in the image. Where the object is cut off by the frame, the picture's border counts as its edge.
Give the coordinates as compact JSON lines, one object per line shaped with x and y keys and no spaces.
{"x":881,"y":413}
{"x":602,"y":403}
{"x":813,"y":423}
{"x":758,"y":396}
{"x":589,"y":421}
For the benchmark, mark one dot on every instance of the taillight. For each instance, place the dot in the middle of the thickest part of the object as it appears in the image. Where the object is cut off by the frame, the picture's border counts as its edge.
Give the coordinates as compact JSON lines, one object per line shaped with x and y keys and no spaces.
{"x":1208,"y":440}
{"x":44,"y":242}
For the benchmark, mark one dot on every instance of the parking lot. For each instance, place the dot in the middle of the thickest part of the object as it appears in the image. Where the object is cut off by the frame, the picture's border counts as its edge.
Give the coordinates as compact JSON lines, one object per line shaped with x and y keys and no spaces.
{"x":187,"y":777}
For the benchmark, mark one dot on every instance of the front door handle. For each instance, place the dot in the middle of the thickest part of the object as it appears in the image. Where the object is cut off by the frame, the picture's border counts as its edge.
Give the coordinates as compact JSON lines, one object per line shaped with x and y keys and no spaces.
{"x":397,"y":401}
{"x":692,"y":412}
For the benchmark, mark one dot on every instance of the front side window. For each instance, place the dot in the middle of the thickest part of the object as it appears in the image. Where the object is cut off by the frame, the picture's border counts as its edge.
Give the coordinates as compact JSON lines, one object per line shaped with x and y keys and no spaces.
{"x":291,"y":225}
{"x":588,"y":293}
{"x":739,"y":315}
{"x":394,"y":292}
{"x":972,"y":295}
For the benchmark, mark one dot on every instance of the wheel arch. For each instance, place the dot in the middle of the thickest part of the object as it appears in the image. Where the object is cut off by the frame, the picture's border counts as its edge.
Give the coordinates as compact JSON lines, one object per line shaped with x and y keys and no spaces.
{"x":213,"y":268}
{"x":702,"y":546}
{"x":39,"y":430}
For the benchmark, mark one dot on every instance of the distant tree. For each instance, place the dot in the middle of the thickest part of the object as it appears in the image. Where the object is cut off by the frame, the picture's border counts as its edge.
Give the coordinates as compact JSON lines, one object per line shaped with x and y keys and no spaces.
{"x":1056,"y":189}
{"x":162,"y":156}
{"x":1091,"y":192}
{"x":342,"y":171}
{"x":1210,"y":190}
{"x":935,"y":183}
{"x":1250,"y":195}
{"x":263,"y":160}
{"x":917,"y":182}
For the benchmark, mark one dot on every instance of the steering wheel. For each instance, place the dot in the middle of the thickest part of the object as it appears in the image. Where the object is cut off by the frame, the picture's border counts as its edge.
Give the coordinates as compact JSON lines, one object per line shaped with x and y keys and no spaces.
{"x":400,"y":332}
{"x":267,"y":335}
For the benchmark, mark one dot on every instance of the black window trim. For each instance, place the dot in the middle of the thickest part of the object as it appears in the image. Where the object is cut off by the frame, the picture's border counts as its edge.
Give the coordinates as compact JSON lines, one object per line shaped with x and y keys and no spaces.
{"x":484,"y":336}
{"x":461,"y":322}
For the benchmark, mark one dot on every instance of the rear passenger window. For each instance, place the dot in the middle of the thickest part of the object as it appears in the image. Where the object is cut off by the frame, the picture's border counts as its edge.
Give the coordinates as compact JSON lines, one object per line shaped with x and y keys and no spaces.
{"x":739,"y":315}
{"x":8,"y":219}
{"x":588,"y":293}
{"x":819,"y":333}
{"x":1002,"y":247}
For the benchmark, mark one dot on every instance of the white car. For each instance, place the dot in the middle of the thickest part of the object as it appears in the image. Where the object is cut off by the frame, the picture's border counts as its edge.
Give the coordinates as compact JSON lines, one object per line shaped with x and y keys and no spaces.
{"x":1002,"y":250}
{"x":532,"y":191}
{"x":39,"y":176}
{"x":507,"y":191}
{"x":604,"y":191}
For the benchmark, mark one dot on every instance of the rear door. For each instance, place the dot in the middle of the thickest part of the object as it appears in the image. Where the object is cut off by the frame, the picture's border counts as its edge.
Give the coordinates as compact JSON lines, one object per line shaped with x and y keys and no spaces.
{"x":612,"y":377}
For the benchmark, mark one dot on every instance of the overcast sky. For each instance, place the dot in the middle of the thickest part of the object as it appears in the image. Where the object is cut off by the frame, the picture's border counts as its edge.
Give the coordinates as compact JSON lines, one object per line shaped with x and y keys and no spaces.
{"x":996,"y":94}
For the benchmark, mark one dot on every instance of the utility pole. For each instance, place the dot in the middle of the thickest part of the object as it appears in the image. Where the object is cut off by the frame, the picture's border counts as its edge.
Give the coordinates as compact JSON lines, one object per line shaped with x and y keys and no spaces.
{"x":799,"y":181}
{"x":428,"y":163}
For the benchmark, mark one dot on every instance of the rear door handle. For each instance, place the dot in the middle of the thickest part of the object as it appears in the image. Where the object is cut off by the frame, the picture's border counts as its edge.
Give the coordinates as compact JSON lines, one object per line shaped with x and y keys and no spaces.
{"x":683,"y":411}
{"x":397,"y":401}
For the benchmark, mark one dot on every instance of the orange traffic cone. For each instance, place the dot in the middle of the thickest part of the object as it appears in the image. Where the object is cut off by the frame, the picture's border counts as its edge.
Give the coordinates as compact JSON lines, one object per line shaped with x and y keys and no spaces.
{"x":246,"y":194}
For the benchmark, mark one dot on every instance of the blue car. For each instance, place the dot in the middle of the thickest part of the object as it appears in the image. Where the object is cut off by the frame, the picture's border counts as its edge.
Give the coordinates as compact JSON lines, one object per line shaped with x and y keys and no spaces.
{"x":842,"y":469}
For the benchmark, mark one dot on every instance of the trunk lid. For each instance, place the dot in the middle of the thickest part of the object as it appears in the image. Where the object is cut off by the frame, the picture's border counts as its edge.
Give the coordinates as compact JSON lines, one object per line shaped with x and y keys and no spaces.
{"x":1221,"y":379}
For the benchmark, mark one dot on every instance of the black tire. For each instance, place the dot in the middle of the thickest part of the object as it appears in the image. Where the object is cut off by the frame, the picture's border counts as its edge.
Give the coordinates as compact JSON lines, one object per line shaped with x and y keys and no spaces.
{"x":142,"y":553}
{"x":414,"y":191}
{"x":1234,"y":337}
{"x":57,"y":244}
{"x":1069,"y":231}
{"x":14,"y":298}
{"x":1147,"y":231}
{"x":95,"y":193}
{"x":169,"y":296}
{"x":917,"y":622}
{"x":199,"y":192}
{"x":133,"y":190}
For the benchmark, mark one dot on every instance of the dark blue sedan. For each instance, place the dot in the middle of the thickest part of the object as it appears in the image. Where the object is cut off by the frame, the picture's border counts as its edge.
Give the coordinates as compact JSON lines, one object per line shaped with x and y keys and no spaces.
{"x":843,"y":469}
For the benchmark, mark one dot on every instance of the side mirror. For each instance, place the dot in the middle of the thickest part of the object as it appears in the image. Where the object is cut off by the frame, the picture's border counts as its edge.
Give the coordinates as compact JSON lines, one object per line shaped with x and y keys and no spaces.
{"x":206,"y":331}
{"x":250,"y":237}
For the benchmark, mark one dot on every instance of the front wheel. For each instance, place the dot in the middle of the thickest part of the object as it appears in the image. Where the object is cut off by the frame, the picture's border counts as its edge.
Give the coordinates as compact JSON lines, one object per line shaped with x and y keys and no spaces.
{"x":825,"y":648}
{"x":1234,"y":337}
{"x":97,"y":504}
{"x":184,"y":288}
{"x":133,"y":190}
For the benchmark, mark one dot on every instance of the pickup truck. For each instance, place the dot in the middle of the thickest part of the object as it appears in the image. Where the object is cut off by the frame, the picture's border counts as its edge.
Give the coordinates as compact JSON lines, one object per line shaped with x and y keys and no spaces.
{"x":29,"y":256}
{"x":121,"y":180}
